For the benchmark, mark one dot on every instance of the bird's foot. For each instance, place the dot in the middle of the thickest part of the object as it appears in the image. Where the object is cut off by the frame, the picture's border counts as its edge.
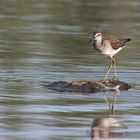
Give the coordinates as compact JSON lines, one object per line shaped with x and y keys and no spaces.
{"x":115,"y":77}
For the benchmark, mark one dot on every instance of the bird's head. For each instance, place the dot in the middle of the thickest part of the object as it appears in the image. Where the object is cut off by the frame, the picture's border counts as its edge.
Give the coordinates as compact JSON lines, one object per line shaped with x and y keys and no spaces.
{"x":95,"y":36}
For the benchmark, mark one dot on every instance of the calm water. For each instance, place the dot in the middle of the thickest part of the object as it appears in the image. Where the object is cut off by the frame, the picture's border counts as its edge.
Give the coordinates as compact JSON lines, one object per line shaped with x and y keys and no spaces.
{"x":43,"y":41}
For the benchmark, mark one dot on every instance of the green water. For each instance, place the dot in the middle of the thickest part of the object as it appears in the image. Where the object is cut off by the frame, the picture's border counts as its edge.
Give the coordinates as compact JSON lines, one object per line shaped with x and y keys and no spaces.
{"x":47,"y":40}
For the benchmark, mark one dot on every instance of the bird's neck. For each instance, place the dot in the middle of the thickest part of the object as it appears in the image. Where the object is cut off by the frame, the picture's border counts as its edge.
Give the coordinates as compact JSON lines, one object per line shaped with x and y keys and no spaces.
{"x":98,"y":42}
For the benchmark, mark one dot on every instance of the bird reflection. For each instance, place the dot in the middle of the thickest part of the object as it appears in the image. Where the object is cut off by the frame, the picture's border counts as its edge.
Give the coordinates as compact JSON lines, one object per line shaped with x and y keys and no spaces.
{"x":111,"y":103}
{"x":105,"y":128}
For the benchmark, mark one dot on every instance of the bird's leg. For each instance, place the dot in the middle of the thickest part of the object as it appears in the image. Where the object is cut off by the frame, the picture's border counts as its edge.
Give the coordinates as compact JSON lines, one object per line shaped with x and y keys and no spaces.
{"x":114,"y":64}
{"x":110,"y":65}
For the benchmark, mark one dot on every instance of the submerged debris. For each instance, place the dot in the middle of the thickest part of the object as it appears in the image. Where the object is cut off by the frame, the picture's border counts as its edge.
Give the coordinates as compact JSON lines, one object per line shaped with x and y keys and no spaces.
{"x":84,"y":86}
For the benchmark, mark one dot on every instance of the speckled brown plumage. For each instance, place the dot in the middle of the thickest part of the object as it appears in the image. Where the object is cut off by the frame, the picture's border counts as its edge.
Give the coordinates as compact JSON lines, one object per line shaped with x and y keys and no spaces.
{"x":116,"y":43}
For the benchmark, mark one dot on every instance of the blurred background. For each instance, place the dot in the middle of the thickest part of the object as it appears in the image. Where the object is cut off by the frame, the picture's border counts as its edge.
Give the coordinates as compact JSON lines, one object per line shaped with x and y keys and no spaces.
{"x":43,"y":41}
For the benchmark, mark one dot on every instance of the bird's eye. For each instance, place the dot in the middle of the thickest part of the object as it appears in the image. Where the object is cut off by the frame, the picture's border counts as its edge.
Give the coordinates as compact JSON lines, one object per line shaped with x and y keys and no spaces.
{"x":97,"y":35}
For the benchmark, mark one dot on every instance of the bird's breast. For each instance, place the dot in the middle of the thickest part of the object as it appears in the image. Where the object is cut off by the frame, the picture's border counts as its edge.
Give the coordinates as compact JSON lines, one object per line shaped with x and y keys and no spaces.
{"x":97,"y":46}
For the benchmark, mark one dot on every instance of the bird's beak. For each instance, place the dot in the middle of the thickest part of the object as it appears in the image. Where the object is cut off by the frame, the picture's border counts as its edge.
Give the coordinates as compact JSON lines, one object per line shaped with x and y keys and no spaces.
{"x":89,"y":41}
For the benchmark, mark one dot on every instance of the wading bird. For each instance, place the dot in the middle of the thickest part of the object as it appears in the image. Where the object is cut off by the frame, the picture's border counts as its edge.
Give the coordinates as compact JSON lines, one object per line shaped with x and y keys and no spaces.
{"x":109,"y":47}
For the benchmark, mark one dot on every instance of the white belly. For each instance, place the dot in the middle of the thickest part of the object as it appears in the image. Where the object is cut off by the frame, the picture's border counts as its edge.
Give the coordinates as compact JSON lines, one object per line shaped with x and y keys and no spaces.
{"x":111,"y":52}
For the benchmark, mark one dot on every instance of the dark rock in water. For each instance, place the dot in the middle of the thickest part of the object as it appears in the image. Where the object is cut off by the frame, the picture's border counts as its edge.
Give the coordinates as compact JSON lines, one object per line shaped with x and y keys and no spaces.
{"x":84,"y":86}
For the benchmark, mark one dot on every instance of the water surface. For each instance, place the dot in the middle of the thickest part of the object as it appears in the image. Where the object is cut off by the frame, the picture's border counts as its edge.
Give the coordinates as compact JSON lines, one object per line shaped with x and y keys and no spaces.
{"x":45,"y":41}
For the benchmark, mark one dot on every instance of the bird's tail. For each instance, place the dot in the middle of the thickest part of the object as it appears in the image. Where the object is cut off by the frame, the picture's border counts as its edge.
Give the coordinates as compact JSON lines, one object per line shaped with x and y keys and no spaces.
{"x":127,"y":40}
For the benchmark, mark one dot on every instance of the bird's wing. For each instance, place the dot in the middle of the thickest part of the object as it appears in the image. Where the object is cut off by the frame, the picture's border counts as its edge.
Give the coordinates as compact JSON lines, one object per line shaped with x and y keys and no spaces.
{"x":116,"y":43}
